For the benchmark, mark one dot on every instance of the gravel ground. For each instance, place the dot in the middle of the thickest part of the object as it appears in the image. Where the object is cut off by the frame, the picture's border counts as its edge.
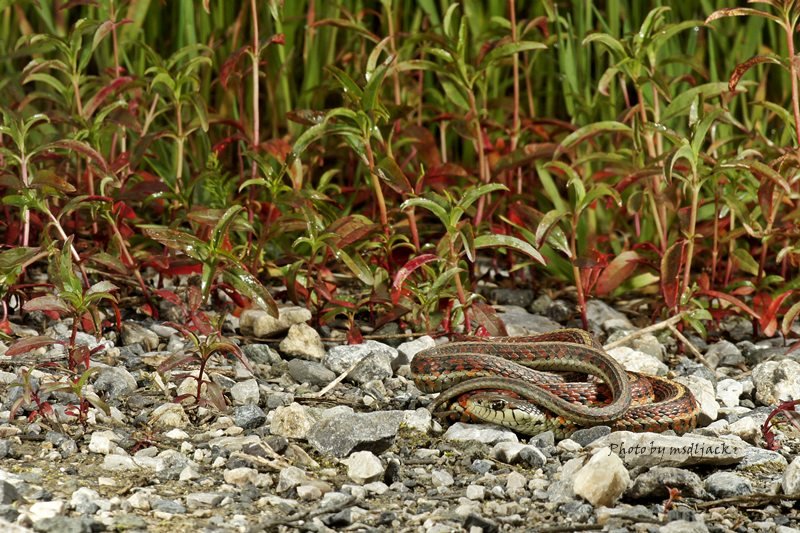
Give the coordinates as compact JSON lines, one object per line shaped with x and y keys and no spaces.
{"x":300,"y":449}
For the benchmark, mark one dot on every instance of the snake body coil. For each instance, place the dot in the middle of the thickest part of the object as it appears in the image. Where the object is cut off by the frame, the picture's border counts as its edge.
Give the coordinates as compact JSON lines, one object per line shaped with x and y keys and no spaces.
{"x":508,"y":381}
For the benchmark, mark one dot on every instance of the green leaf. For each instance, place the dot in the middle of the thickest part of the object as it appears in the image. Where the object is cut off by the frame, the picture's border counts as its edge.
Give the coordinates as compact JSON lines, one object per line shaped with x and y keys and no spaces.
{"x":221,"y":229}
{"x":746,"y":261}
{"x":613,"y":45}
{"x":474,"y":193}
{"x":431,"y":206}
{"x":248,"y":285}
{"x":357,"y":266}
{"x":178,"y":240}
{"x":509,"y":49}
{"x":681,"y":103}
{"x":789,"y":318}
{"x":455,"y":94}
{"x":508,"y":241}
{"x":596,"y":192}
{"x":608,"y":126}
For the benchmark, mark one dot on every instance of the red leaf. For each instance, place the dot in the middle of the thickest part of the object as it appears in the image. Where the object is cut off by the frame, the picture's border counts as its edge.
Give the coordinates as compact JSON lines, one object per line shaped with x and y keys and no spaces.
{"x":101,"y":95}
{"x":486,"y":317}
{"x":670,"y":273}
{"x":29,"y":344}
{"x":736,"y":302}
{"x":354,"y":335}
{"x":406,"y":270}
{"x":617,"y":271}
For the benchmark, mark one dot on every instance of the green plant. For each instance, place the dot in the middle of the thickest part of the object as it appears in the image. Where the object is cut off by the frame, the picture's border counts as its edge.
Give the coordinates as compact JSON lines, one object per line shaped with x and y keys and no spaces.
{"x":200,"y":353}
{"x":460,"y":240}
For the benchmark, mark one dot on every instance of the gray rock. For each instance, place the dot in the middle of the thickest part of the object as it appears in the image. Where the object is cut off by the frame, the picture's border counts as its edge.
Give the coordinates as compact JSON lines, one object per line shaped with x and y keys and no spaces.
{"x":116,"y":382}
{"x":343,"y":433}
{"x":8,"y":494}
{"x":652,"y":485}
{"x":656,"y":449}
{"x":763,"y":462}
{"x":86,"y":501}
{"x":341,"y":358}
{"x":203,"y":500}
{"x":133,"y":333}
{"x":738,"y":327}
{"x":727,"y":484}
{"x":683,"y":526}
{"x":559,"y":310}
{"x":486,"y":434}
{"x":303,"y":341}
{"x":262,"y":354}
{"x":167,"y":506}
{"x":586,"y":436}
{"x":279,"y":399}
{"x":310,"y":372}
{"x":63,"y":524}
{"x":506,"y":296}
{"x":374,"y":367}
{"x":777,"y":381}
{"x":533,"y":457}
{"x":518,"y":321}
{"x":601,"y":315}
{"x":407,"y":350}
{"x":724,"y":353}
{"x":481,"y":466}
{"x":510,"y":452}
{"x":128,"y":522}
{"x":246,"y":392}
{"x":249,"y":416}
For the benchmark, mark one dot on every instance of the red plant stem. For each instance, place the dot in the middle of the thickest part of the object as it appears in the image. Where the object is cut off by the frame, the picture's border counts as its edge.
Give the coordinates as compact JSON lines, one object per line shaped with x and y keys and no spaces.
{"x":376,"y":184}
{"x":793,"y":71}
{"x":462,"y":298}
{"x":515,"y":125}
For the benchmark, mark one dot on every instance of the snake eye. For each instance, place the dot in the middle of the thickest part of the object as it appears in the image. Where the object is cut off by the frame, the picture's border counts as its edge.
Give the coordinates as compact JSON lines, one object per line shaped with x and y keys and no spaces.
{"x":498,"y":405}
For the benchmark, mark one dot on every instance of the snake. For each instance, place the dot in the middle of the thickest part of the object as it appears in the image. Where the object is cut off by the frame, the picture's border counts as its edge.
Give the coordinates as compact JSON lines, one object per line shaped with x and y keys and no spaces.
{"x":509,"y":381}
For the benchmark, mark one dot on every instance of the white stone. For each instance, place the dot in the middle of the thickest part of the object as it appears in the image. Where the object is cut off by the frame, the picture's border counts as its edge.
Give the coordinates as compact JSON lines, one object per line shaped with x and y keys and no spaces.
{"x":364,"y":467}
{"x":603,"y":479}
{"x":103,"y":442}
{"x":791,"y":478}
{"x":729,"y":391}
{"x":293,"y":421}
{"x":240,"y":476}
{"x":42,"y":510}
{"x":636,"y":361}
{"x":246,"y":392}
{"x":476,"y":492}
{"x":303,"y":341}
{"x":169,"y":415}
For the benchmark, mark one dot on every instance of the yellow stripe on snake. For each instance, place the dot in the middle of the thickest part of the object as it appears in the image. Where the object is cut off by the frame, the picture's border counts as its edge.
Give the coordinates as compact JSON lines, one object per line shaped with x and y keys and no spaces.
{"x":509,"y":381}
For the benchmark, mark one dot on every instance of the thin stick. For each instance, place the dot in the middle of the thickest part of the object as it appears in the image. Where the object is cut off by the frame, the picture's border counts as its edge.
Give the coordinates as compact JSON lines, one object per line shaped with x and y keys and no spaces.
{"x":332,"y":384}
{"x":686,"y":342}
{"x":649,"y":329}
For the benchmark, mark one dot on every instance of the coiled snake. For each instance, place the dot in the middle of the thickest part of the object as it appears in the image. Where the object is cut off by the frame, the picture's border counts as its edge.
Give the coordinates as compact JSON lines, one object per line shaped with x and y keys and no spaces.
{"x":505,"y":381}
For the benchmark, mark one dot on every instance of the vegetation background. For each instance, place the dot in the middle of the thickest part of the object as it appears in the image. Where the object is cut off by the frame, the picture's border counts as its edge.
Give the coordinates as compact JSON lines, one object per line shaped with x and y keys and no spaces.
{"x":376,"y":160}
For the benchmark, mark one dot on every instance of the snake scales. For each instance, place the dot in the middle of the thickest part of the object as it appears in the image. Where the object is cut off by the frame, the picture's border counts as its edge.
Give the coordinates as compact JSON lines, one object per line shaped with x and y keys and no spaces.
{"x":509,"y":381}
